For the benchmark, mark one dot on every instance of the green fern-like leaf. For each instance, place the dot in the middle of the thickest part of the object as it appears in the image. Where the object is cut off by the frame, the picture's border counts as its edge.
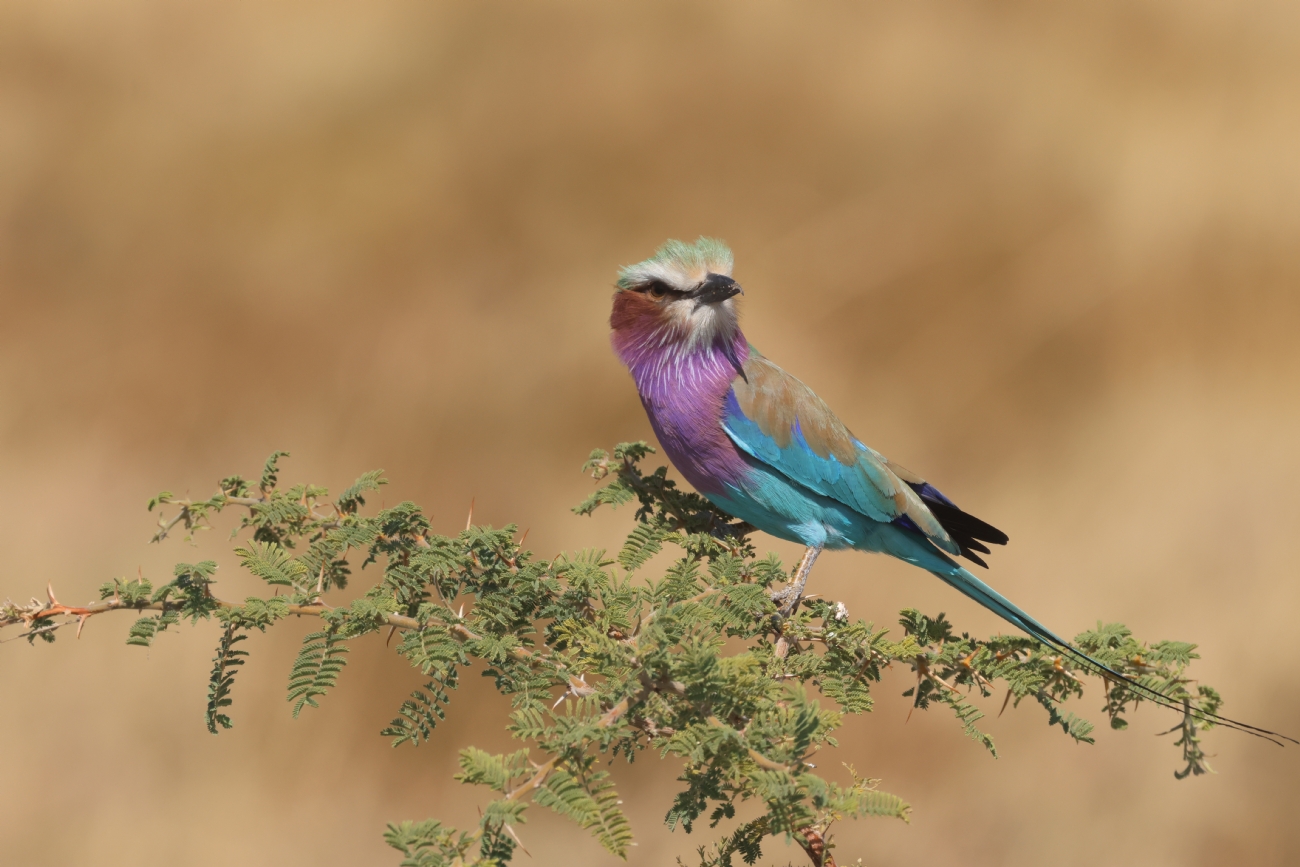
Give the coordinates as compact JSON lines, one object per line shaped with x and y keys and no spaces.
{"x":274,"y":565}
{"x":418,"y":715}
{"x":316,"y":669}
{"x":592,"y":803}
{"x":277,"y":518}
{"x":882,"y":804}
{"x":254,"y":613}
{"x":271,"y":471}
{"x":615,"y":494}
{"x":482,"y":768}
{"x":968,"y":714}
{"x":354,"y":497}
{"x":643,"y":543}
{"x":1074,"y":726}
{"x":136,"y":591}
{"x":428,"y":843}
{"x":142,"y":632}
{"x":224,"y":667}
{"x":611,"y":827}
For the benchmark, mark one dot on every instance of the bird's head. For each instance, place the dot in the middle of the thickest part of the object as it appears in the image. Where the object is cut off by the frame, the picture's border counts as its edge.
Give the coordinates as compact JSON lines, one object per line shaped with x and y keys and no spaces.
{"x":679,"y":298}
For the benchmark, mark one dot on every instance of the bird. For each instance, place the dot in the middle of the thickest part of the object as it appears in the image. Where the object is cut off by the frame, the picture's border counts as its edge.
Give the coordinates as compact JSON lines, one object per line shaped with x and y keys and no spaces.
{"x":762,"y":447}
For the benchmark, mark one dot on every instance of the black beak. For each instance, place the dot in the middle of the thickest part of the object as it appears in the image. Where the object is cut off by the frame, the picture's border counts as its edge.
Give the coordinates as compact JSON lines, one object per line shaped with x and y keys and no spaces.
{"x":716,"y":288}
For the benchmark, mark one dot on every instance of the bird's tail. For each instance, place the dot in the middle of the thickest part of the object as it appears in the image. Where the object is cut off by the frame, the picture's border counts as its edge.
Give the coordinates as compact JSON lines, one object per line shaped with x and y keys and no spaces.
{"x":971,"y":586}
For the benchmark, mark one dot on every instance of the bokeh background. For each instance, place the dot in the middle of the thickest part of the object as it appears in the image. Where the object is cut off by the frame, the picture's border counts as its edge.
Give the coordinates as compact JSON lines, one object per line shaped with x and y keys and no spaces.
{"x":1044,"y":253}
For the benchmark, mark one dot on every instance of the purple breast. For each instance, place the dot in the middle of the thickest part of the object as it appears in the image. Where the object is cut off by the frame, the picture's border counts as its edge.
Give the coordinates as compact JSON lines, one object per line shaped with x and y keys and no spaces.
{"x":683,"y":394}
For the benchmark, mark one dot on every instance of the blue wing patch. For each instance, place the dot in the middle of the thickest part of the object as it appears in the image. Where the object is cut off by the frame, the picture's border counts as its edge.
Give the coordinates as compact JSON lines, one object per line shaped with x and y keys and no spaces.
{"x":853,"y":485}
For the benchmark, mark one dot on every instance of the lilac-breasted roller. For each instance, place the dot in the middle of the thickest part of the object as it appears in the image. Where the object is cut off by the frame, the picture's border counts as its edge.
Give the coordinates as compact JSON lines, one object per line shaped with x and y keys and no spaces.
{"x":762,"y":447}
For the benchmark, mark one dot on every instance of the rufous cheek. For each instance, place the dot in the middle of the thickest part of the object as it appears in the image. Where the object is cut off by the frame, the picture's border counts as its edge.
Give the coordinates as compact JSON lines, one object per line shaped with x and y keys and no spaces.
{"x":633,"y":309}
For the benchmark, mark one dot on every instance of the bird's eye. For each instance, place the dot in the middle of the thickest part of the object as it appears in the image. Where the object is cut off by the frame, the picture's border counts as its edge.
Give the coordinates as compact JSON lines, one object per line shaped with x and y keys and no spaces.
{"x":657,"y":291}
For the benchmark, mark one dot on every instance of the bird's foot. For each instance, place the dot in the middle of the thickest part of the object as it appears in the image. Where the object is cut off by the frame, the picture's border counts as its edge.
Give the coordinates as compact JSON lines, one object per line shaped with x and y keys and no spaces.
{"x":787,"y":599}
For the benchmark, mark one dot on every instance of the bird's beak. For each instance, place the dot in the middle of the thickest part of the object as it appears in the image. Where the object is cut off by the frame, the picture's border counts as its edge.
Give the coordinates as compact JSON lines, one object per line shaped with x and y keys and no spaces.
{"x":716,"y":288}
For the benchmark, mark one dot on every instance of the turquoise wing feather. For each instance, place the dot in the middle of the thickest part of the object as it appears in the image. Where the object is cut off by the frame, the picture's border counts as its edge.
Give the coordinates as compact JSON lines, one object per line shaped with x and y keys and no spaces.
{"x":778,"y":420}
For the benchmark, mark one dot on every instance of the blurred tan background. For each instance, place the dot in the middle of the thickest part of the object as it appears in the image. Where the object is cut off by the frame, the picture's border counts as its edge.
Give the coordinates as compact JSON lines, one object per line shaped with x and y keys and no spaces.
{"x":1044,"y":253}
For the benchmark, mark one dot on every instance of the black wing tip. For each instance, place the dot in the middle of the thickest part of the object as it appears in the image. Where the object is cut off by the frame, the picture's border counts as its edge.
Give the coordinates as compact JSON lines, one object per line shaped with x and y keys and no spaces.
{"x":972,"y":526}
{"x":995,"y":536}
{"x":966,"y":530}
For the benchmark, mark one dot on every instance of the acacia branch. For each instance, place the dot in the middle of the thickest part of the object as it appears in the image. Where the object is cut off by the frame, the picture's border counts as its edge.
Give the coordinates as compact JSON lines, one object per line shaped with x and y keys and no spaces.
{"x":36,"y":611}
